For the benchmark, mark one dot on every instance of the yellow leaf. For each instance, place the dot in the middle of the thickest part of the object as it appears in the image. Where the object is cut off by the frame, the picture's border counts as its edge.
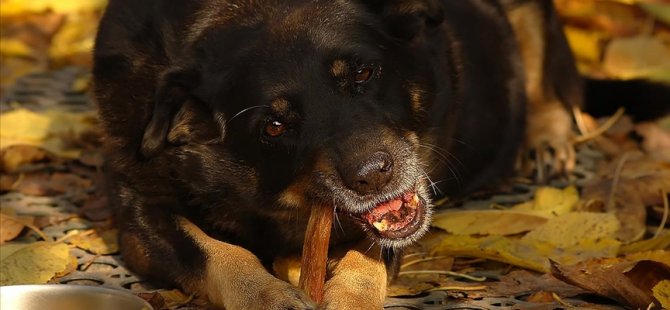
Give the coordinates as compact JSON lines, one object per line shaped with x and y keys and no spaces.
{"x":550,"y":202}
{"x":75,"y":37}
{"x":531,"y":254}
{"x":287,"y":268}
{"x":35,"y":263}
{"x":486,"y":222}
{"x":14,"y":47}
{"x":586,"y":45}
{"x":658,"y":243}
{"x":637,"y":57}
{"x":47,"y":130}
{"x":102,"y":243}
{"x":661,"y":256}
{"x":573,"y":229}
{"x":24,"y":124}
{"x":15,"y":7}
{"x":662,"y":293}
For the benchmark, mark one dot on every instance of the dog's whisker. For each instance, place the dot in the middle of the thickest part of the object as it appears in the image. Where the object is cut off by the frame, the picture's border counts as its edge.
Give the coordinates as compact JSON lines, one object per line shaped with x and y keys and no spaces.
{"x":370,"y":247}
{"x":448,"y":153}
{"x":447,"y":162}
{"x":246,"y":110}
{"x":337,"y":220}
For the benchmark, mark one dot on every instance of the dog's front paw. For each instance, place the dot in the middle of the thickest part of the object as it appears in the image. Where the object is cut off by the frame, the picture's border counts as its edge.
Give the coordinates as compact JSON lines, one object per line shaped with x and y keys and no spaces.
{"x":549,"y":149}
{"x":350,"y":293}
{"x":279,"y":295}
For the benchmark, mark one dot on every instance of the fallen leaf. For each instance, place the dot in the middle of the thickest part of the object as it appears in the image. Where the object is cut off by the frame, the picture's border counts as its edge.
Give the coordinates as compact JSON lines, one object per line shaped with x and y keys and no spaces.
{"x":35,"y":263}
{"x":541,"y":297}
{"x":624,"y":281}
{"x":49,"y":130}
{"x":101,"y":243}
{"x":486,"y":222}
{"x":11,"y":225}
{"x":657,"y":243}
{"x":638,"y":57}
{"x":96,"y":208}
{"x":662,"y":293}
{"x":16,"y":7}
{"x":640,"y":180}
{"x":155,"y":299}
{"x":550,"y":202}
{"x":526,"y":253}
{"x":576,"y":229}
{"x":45,"y":184}
{"x":520,"y":282}
{"x":287,"y":269}
{"x":174,"y":298}
{"x":661,"y":256}
{"x":15,"y":156}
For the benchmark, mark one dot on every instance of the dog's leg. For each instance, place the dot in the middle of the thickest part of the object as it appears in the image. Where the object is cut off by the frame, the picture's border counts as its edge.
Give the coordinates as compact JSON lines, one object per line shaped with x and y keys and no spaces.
{"x":553,"y":86}
{"x":358,"y":279}
{"x":171,"y":248}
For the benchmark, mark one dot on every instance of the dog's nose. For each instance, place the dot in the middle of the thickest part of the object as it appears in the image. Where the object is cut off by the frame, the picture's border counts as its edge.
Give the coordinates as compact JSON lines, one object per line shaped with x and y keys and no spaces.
{"x":372,"y":174}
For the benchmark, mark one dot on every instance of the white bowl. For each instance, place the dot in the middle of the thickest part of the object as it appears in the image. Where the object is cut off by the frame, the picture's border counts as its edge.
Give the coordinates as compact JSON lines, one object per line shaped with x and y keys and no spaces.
{"x":68,"y":297}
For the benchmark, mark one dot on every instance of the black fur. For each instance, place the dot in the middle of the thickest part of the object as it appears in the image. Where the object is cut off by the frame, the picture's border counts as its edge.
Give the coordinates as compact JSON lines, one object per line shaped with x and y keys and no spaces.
{"x":186,"y":89}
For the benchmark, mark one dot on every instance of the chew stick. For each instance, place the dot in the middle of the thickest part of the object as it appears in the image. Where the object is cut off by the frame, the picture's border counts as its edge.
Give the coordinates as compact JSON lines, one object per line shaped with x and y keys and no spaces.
{"x":315,"y":251}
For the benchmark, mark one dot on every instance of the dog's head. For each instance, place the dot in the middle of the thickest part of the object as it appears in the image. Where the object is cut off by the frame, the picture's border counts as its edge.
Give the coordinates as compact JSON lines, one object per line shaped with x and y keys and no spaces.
{"x":321,"y":100}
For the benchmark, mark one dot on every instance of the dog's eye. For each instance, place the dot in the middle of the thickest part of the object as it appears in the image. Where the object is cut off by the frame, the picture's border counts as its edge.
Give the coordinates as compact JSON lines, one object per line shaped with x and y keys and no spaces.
{"x":275,"y":128}
{"x":363,"y":75}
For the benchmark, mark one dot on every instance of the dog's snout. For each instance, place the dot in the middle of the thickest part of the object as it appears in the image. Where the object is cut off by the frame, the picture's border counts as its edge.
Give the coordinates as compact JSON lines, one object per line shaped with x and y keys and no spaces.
{"x":371,"y":174}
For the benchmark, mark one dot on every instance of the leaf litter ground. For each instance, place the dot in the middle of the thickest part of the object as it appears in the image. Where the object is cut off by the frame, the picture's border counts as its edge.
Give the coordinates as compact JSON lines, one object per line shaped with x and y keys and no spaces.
{"x":598,"y":239}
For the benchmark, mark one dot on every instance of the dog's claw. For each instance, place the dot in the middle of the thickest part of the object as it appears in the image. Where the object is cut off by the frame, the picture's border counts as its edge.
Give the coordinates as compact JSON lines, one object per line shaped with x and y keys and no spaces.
{"x":549,"y":150}
{"x":283,"y":296}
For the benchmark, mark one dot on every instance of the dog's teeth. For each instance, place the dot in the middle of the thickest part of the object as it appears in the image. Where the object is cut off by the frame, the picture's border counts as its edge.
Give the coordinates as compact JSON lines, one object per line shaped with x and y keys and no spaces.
{"x":415,"y":201}
{"x":381,"y":226}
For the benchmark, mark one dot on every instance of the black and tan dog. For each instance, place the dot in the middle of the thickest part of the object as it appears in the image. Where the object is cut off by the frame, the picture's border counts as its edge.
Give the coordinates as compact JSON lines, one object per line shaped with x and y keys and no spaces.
{"x":226,"y":120}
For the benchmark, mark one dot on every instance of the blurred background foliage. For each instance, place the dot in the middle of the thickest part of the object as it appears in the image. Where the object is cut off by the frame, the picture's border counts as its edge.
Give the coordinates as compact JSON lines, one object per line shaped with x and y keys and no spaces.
{"x":611,"y":38}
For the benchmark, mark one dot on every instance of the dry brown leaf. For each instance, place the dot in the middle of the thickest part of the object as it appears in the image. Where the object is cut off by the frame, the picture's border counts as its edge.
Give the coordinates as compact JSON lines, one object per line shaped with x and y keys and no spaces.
{"x":639,"y":183}
{"x":522,"y":282}
{"x":625,"y":281}
{"x":13,"y":157}
{"x":45,"y":184}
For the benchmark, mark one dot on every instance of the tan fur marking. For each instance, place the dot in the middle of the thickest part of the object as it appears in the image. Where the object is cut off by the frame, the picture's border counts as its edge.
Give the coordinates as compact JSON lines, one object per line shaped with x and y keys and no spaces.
{"x":416,"y":97}
{"x":529,"y":30}
{"x":294,"y":195}
{"x":281,"y":106}
{"x":339,"y":68}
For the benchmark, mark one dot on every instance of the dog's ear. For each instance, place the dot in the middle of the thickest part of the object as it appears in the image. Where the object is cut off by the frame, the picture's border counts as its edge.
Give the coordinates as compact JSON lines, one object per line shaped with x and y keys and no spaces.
{"x":409,"y":20}
{"x":172,"y":91}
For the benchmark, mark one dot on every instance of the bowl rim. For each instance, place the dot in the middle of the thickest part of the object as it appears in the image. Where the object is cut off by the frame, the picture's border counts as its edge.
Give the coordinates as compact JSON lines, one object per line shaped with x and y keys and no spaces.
{"x":36,"y":288}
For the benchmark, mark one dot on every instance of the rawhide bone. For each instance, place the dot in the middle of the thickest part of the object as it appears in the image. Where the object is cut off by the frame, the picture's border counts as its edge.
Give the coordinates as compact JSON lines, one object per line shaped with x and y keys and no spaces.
{"x":315,"y":251}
